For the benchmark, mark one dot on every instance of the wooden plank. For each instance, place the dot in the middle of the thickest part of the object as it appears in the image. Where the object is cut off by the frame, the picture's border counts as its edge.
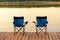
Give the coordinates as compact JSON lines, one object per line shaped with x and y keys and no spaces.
{"x":25,"y":36}
{"x":42,"y":36}
{"x":59,"y":34}
{"x":49,"y":36}
{"x":7,"y":37}
{"x":53,"y":36}
{"x":20,"y":36}
{"x":30,"y":36}
{"x":2,"y":35}
{"x":6,"y":34}
{"x":34,"y":36}
{"x":15,"y":36}
{"x":39,"y":36}
{"x":11,"y":36}
{"x":56,"y":36}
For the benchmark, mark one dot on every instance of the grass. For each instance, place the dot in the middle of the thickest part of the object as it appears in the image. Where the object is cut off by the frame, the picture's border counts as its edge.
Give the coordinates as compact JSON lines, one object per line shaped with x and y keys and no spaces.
{"x":30,"y":4}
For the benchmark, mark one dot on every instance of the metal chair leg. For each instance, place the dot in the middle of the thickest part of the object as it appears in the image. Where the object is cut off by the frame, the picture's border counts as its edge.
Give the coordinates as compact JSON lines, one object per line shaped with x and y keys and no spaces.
{"x":23,"y":30}
{"x":46,"y":30}
{"x":14,"y":30}
{"x":37,"y":30}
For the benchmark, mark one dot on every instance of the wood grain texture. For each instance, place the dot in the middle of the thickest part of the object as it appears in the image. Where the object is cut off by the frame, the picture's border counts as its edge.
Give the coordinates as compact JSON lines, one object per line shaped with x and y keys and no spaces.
{"x":29,"y":36}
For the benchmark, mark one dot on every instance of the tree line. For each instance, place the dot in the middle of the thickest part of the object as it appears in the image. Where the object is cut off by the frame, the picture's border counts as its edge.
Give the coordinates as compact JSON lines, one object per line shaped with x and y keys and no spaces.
{"x":24,"y":0}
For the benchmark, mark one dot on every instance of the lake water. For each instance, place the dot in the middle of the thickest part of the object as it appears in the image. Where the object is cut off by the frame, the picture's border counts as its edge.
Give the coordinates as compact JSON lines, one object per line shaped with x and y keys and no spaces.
{"x":52,"y":13}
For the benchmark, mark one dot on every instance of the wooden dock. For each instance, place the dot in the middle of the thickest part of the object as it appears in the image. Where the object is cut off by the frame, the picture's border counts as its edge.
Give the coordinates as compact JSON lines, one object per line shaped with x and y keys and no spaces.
{"x":29,"y":36}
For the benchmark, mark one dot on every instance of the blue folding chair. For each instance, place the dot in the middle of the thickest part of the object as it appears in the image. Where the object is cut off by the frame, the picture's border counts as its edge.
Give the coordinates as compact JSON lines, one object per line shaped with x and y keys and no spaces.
{"x":41,"y":24}
{"x":19,"y":22}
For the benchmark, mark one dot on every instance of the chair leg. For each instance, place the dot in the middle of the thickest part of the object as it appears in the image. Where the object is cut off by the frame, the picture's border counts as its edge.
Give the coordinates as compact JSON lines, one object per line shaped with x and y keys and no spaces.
{"x":23,"y":30}
{"x":14,"y":30}
{"x":46,"y":30}
{"x":37,"y":30}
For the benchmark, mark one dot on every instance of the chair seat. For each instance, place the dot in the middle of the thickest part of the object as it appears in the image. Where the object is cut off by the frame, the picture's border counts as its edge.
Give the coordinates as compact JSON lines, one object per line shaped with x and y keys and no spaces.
{"x":19,"y":25}
{"x":41,"y":25}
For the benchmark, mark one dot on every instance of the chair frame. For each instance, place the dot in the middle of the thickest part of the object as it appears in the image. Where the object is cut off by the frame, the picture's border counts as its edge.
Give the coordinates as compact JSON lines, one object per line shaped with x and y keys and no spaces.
{"x":40,"y":28}
{"x":20,"y":27}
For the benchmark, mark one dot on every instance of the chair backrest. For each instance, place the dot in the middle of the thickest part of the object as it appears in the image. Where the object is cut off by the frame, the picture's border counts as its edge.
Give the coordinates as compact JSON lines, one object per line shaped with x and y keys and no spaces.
{"x":41,"y":21}
{"x":18,"y":21}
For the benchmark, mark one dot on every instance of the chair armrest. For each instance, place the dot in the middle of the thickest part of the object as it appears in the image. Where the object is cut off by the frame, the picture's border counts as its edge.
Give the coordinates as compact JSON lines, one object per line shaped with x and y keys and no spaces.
{"x":13,"y":22}
{"x":47,"y":22}
{"x":35,"y":22}
{"x":25,"y":22}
